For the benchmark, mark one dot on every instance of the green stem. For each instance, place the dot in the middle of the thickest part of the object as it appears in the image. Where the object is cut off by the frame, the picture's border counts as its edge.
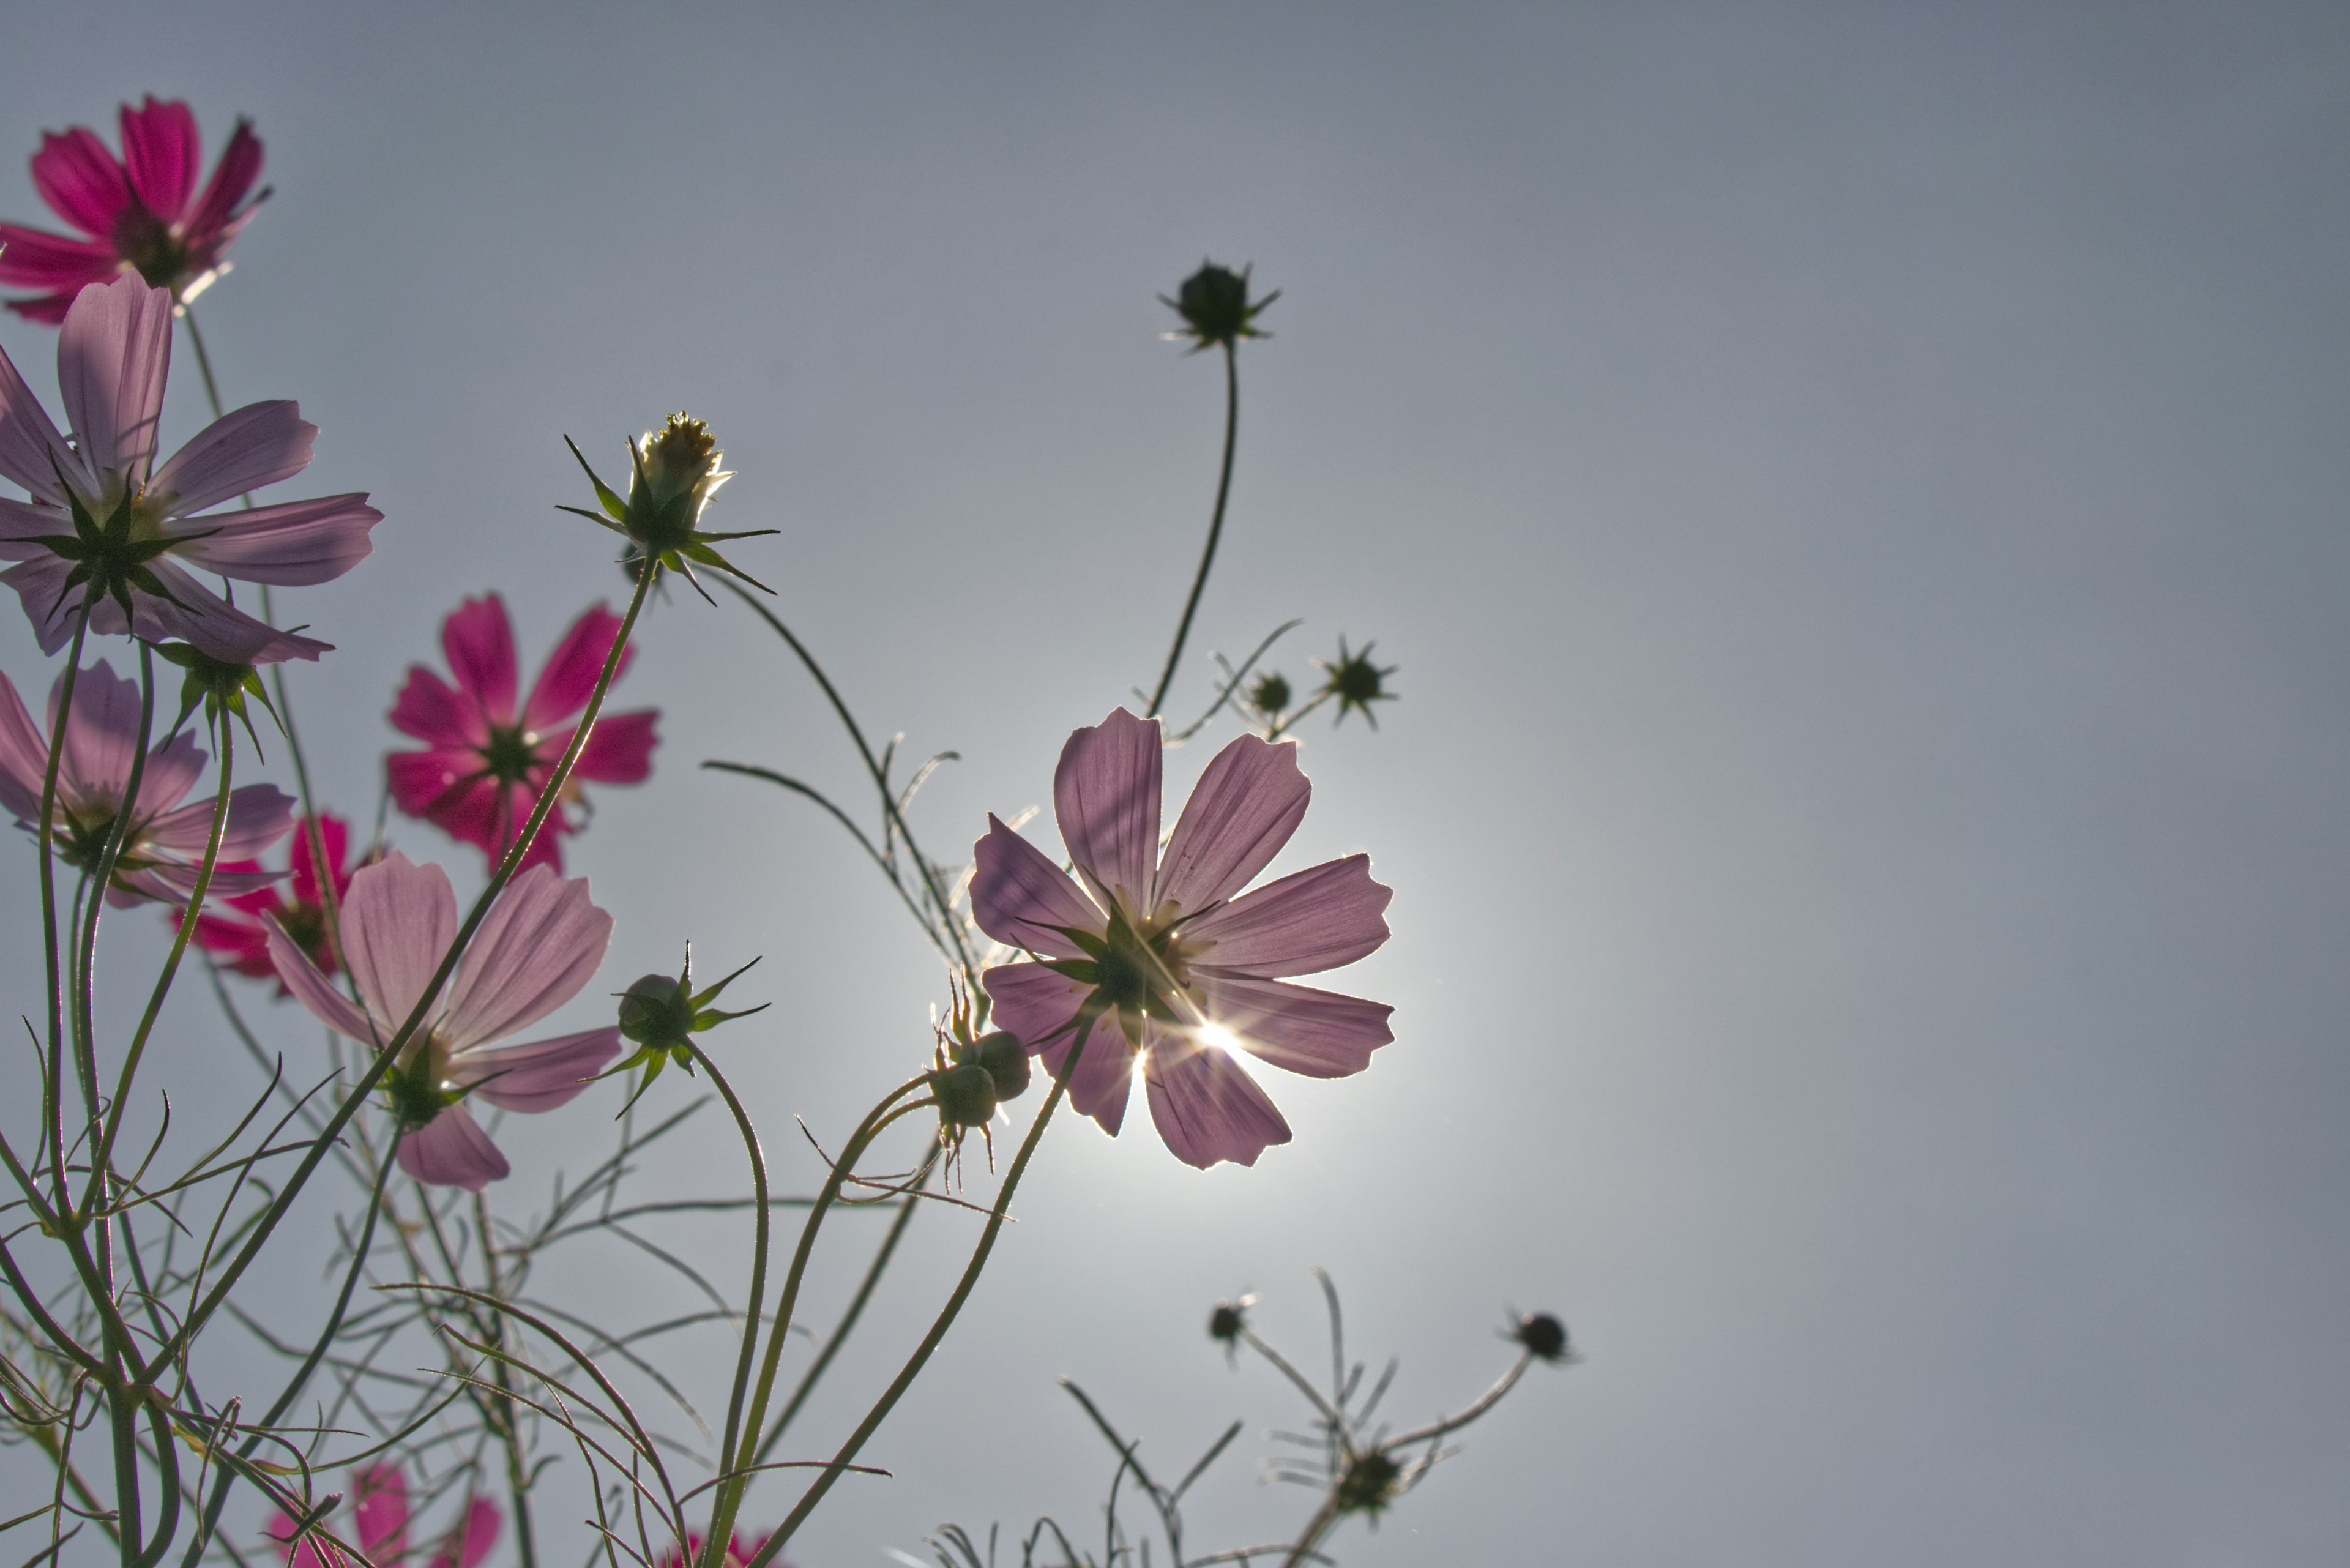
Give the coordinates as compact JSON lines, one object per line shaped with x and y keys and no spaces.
{"x":53,"y":1112}
{"x":1215,"y":524}
{"x":759,"y":1243}
{"x":1316,"y":1529}
{"x":509,"y":1426}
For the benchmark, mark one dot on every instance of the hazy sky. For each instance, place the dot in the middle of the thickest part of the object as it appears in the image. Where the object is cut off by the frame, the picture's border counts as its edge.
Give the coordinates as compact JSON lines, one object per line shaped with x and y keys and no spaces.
{"x":1854,"y":494}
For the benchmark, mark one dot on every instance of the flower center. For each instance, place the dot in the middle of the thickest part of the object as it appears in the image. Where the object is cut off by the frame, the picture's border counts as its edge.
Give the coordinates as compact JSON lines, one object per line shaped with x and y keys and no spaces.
{"x":510,"y":754}
{"x":148,"y":243}
{"x":82,"y":833}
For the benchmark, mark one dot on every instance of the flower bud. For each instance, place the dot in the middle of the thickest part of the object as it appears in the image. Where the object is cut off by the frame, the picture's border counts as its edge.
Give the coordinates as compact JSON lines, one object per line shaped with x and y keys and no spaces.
{"x":1369,"y":1485}
{"x":657,"y":1013}
{"x":1214,"y":305}
{"x":1224,"y":1324}
{"x":966,"y":1095}
{"x":1270,"y":694}
{"x":1355,"y":682}
{"x":1007,"y":1060}
{"x":1544,"y":1336}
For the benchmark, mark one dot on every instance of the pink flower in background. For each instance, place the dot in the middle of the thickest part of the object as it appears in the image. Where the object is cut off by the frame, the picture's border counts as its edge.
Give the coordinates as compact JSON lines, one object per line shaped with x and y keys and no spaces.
{"x":166,"y":843}
{"x":238,"y":937}
{"x":486,"y":763}
{"x":379,"y":1519}
{"x":1182,"y":973}
{"x":142,"y":211}
{"x":738,"y":1552}
{"x":102,"y":513}
{"x":535,"y":949}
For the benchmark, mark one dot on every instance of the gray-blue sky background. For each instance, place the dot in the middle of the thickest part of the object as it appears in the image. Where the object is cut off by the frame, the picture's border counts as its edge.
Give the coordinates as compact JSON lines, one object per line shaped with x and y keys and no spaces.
{"x":1856,"y":496}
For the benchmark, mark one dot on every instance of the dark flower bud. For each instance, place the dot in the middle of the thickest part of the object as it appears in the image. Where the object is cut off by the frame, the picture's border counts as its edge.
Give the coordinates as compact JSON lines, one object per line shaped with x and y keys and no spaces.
{"x":966,"y":1095}
{"x":1224,"y":1324}
{"x":672,"y":472}
{"x":1369,"y":1485}
{"x":1007,"y":1060}
{"x":657,"y":1013}
{"x":1355,"y":682}
{"x":1544,"y":1336}
{"x":218,"y":686}
{"x":1270,"y":694}
{"x":1214,"y":305}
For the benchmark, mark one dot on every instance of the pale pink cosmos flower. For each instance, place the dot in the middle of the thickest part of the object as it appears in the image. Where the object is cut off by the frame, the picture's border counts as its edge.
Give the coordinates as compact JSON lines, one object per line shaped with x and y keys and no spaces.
{"x":484,"y":761}
{"x":166,"y":847}
{"x":1182,"y":973}
{"x":536,"y":947}
{"x":379,"y":1519}
{"x":142,"y":211}
{"x":102,"y":509}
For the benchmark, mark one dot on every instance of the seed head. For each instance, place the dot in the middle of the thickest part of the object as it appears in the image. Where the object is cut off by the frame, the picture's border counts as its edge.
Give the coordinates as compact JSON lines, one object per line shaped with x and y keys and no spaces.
{"x":1545,"y":1337}
{"x":1355,"y":682}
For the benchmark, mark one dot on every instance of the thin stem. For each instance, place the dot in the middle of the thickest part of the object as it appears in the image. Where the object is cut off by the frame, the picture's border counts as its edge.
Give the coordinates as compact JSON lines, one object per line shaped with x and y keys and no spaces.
{"x":84,"y":958}
{"x":509,"y":1428}
{"x":1486,"y":1401}
{"x":53,"y":1112}
{"x":1215,"y":524}
{"x":759,"y":1242}
{"x":203,"y":360}
{"x":1315,"y":1529}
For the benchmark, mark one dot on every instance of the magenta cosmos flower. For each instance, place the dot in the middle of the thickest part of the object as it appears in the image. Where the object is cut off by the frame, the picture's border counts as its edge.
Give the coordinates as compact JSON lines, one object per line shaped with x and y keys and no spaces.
{"x":535,"y":949}
{"x":484,"y":762}
{"x":238,"y":935}
{"x":1179,"y":972}
{"x":105,"y":520}
{"x":166,"y":844}
{"x":141,"y":211}
{"x":380,"y":1518}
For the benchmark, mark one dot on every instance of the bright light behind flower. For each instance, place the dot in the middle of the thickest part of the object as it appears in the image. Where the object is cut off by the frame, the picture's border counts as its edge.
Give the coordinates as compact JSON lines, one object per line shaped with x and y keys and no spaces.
{"x":1217,"y":1035}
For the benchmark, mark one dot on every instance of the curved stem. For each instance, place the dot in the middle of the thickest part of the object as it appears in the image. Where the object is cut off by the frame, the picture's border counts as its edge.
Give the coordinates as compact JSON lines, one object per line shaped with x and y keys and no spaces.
{"x":1484,"y":1402}
{"x":759,"y":1241}
{"x":53,"y":1112}
{"x":509,"y":1428}
{"x":1215,"y":525}
{"x":83,"y":958}
{"x":1315,"y":1529}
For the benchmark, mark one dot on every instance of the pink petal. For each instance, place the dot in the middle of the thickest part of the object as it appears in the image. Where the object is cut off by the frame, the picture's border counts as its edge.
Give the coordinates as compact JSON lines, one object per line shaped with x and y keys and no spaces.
{"x":439,"y":714}
{"x":1032,"y":1003}
{"x":379,"y":1513}
{"x":32,"y":259}
{"x":539,"y":944}
{"x":1207,"y":1107}
{"x":398,"y":922}
{"x":80,"y":180}
{"x":1243,"y":809}
{"x":307,"y":1552}
{"x":1106,"y":799}
{"x":335,"y":833}
{"x":113,"y":353}
{"x":48,"y":309}
{"x":203,"y":617}
{"x":1018,"y":896}
{"x":40,"y":586}
{"x":313,"y":990}
{"x":162,"y":151}
{"x":479,"y":643}
{"x":1311,"y":920}
{"x":1317,"y":1034}
{"x":480,"y":1533}
{"x":619,"y":752}
{"x":31,"y":451}
{"x":174,"y":883}
{"x":23,"y":756}
{"x":22,"y":525}
{"x":293,"y":545}
{"x":242,"y":945}
{"x":446,"y":786}
{"x":101,"y":733}
{"x":1105,"y":1075}
{"x":242,"y":450}
{"x":546,"y":849}
{"x":258,"y":816}
{"x":563,"y":686}
{"x":233,"y":176}
{"x":451,"y":1151}
{"x":172,"y":771}
{"x":538,"y":1077}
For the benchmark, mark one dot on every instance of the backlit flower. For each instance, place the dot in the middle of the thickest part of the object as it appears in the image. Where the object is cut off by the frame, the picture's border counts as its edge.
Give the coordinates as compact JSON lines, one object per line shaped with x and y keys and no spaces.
{"x":166,"y":847}
{"x":379,"y":1519}
{"x":237,"y":935}
{"x":535,"y":949}
{"x":485,"y":761}
{"x":109,"y":530}
{"x":1170,"y":974}
{"x":738,"y":1551}
{"x":142,"y":211}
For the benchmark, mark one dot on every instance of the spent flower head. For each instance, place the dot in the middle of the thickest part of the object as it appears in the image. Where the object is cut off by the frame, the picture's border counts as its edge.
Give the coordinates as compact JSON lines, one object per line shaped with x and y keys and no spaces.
{"x":1269,"y":694}
{"x":1355,"y":682}
{"x":1214,"y":305}
{"x":671,"y":474}
{"x":973,"y":1072}
{"x":659,"y":1016}
{"x":1545,"y":1338}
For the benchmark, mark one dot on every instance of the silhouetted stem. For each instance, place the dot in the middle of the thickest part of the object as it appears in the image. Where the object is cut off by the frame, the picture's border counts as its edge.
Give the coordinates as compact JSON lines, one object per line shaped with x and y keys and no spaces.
{"x":1215,"y":525}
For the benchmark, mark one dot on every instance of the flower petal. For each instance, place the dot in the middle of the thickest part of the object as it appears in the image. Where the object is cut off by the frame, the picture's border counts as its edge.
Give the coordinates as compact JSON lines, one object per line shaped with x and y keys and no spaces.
{"x":1205,"y":1105}
{"x":451,"y":1151}
{"x":292,"y":544}
{"x":162,"y":154}
{"x":398,"y":921}
{"x":439,"y":714}
{"x":1104,"y":1076}
{"x":1309,"y":921}
{"x":23,"y":756}
{"x":258,"y":816}
{"x":242,"y":450}
{"x":538,"y":1077}
{"x":313,"y":990}
{"x":113,"y":353}
{"x":305,"y":1552}
{"x":538,"y":945}
{"x":80,"y":180}
{"x":1316,"y":1033}
{"x":480,"y":1533}
{"x":203,"y":617}
{"x":569,"y":677}
{"x":172,"y":771}
{"x":1032,"y":1003}
{"x":30,"y":258}
{"x":619,"y":752}
{"x":1106,"y":799}
{"x":101,"y":733}
{"x":478,"y":640}
{"x":1242,"y":810}
{"x":334,"y":834}
{"x":31,"y":451}
{"x":379,"y":1513}
{"x":1019,"y":898}
{"x":233,"y":176}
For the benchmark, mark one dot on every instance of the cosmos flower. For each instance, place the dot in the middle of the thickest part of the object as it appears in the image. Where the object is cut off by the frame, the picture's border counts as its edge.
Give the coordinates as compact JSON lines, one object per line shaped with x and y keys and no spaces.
{"x":1155,"y":957}
{"x":380,"y":1528}
{"x":535,"y":949}
{"x":738,"y":1551}
{"x":166,"y":847}
{"x":484,"y":763}
{"x":141,"y":211}
{"x":238,"y":935}
{"x":107,"y":528}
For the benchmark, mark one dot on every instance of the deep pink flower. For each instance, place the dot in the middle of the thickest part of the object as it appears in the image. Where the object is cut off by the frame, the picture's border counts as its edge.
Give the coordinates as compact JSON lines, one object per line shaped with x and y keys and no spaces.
{"x":485,"y":763}
{"x":112,"y":357}
{"x":238,"y":935}
{"x":738,"y":1551}
{"x":142,"y":211}
{"x":379,"y":1519}
{"x":1184,"y":972}
{"x":535,"y":949}
{"x":166,"y":844}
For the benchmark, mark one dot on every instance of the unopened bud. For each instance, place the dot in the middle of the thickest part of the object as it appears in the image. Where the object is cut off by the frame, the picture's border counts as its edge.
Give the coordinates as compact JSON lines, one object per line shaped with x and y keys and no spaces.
{"x":657,"y":1013}
{"x":966,"y":1095}
{"x":1007,"y":1060}
{"x":1544,"y":1336}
